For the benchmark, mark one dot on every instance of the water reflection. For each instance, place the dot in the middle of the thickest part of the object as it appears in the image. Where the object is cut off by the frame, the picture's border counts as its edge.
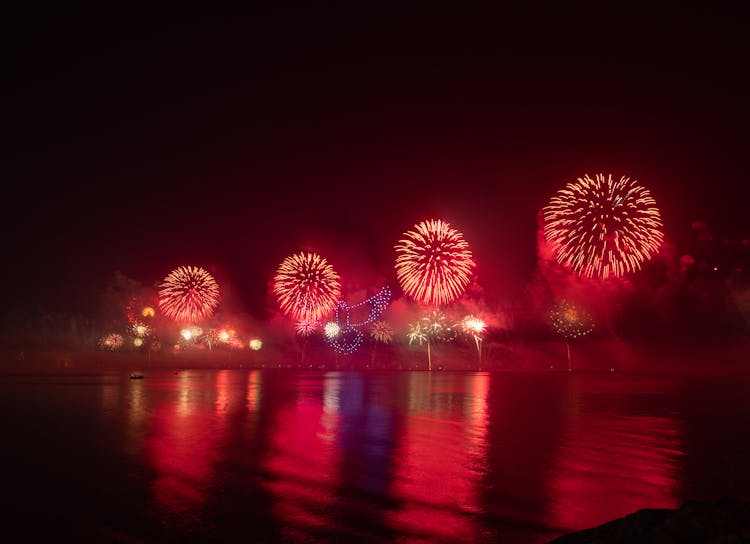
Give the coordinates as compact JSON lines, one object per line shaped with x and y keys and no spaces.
{"x":302,"y":460}
{"x":440,"y":459}
{"x":413,"y":456}
{"x":183,"y":441}
{"x":611,"y":458}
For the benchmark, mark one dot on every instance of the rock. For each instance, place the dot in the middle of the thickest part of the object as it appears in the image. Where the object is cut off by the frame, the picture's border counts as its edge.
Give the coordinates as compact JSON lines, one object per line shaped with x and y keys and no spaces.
{"x":724,"y":521}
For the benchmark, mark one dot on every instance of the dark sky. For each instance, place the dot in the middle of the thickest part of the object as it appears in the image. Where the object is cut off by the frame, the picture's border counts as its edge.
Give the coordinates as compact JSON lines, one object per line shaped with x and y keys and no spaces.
{"x":144,"y":140}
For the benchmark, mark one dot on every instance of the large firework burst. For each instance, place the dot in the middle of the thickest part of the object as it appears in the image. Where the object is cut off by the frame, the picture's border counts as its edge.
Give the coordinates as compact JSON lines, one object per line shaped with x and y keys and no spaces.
{"x":603,"y":227}
{"x":433,"y":263}
{"x":306,"y":286}
{"x":188,"y":294}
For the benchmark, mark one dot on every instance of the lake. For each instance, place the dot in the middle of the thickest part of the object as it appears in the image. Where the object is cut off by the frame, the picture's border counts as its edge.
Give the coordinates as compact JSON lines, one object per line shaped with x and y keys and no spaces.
{"x":302,"y":456}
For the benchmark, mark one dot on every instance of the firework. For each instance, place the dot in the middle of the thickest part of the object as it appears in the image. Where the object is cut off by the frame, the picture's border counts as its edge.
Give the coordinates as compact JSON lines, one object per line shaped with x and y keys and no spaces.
{"x":188,"y":294}
{"x":191,"y":333}
{"x":148,"y":311}
{"x":416,"y":334}
{"x":601,"y":227}
{"x":111,"y":342}
{"x":380,"y":331}
{"x":433,"y":263}
{"x":569,"y":321}
{"x":138,"y":342}
{"x":331,"y":329}
{"x":140,"y":330}
{"x":473,"y":325}
{"x":307,"y":287}
{"x":255,"y":344}
{"x":305,"y":327}
{"x":438,"y":327}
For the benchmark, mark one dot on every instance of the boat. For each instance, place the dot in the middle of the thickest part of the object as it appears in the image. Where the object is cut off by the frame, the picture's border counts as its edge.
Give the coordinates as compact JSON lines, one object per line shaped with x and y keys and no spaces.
{"x":136,"y":376}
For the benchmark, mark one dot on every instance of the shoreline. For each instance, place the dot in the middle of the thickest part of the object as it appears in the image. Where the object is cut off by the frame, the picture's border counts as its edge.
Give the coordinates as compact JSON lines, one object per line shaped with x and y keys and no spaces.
{"x":600,"y":357}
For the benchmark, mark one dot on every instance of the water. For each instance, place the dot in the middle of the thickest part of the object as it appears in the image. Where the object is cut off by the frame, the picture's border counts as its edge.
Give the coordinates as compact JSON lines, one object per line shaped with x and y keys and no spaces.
{"x":266,"y":456}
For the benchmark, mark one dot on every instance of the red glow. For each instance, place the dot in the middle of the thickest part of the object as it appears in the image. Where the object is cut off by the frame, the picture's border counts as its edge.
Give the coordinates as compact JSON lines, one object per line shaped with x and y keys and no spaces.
{"x":184,"y":442}
{"x":638,"y":456}
{"x":438,"y":471}
{"x":305,"y":462}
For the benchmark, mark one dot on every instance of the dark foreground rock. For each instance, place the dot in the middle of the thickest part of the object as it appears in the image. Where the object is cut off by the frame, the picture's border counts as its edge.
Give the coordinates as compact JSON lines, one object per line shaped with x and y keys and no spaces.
{"x":725,"y":521}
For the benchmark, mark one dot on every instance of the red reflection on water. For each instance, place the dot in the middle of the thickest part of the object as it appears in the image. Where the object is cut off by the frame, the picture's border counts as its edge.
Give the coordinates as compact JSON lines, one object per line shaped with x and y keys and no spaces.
{"x":183,"y":441}
{"x":254,"y":389}
{"x":607,"y":467}
{"x":303,"y":460}
{"x":440,"y":460}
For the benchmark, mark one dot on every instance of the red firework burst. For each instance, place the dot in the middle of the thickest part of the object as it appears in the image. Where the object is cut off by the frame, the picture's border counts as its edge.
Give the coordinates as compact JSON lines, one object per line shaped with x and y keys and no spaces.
{"x":433,"y":263}
{"x":602,"y":227}
{"x":188,"y":294}
{"x":306,"y":286}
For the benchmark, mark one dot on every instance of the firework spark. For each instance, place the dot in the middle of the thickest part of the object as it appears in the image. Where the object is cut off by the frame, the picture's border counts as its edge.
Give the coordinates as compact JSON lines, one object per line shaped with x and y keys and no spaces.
{"x":148,"y":311}
{"x":473,"y":325}
{"x":438,"y":327}
{"x":188,"y":294}
{"x":111,"y":342}
{"x":433,"y":263}
{"x":140,"y":330}
{"x":570,"y":321}
{"x":307,"y":287}
{"x":305,"y":327}
{"x":416,"y":333}
{"x":332,"y":329}
{"x":602,"y":227}
{"x":191,"y":333}
{"x":380,"y":331}
{"x":255,"y":344}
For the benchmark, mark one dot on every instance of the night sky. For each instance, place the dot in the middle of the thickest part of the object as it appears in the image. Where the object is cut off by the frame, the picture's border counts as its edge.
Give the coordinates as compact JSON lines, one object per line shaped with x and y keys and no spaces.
{"x":141,"y":141}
